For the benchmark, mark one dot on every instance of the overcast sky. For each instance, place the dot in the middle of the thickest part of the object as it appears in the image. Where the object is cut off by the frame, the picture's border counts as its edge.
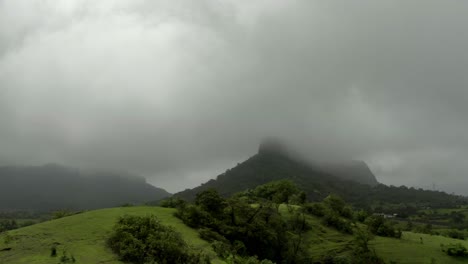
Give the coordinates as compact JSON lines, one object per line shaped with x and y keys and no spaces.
{"x":179,"y":91}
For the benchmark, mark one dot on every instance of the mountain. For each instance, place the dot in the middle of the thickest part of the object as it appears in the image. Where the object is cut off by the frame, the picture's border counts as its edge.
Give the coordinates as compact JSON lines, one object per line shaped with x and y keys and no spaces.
{"x":352,"y":170}
{"x":273,"y":162}
{"x":352,"y":180}
{"x":52,"y":187}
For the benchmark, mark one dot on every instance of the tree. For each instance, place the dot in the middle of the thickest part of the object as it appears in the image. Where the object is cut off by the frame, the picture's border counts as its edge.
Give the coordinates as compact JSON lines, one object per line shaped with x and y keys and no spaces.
{"x":138,"y":240}
{"x":210,"y":201}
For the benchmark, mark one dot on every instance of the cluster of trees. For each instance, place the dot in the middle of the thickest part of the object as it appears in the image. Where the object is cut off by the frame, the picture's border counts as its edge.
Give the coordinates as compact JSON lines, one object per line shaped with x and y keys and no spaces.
{"x":269,"y":223}
{"x":381,"y":227}
{"x":334,"y":213}
{"x":8,"y":224}
{"x":138,"y":240}
{"x":249,"y":227}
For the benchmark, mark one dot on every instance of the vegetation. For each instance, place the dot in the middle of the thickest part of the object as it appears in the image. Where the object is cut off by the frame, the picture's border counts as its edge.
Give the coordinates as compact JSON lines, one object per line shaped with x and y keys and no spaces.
{"x":250,"y":225}
{"x":84,"y":236}
{"x":143,"y":239}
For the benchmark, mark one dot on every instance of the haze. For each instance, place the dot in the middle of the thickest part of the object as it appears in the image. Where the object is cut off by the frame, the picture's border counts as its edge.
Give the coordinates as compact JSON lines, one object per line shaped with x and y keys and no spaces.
{"x":179,"y":91}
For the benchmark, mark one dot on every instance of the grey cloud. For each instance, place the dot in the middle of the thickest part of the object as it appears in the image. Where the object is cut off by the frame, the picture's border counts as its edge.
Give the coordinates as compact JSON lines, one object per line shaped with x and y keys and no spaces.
{"x":180,"y":91}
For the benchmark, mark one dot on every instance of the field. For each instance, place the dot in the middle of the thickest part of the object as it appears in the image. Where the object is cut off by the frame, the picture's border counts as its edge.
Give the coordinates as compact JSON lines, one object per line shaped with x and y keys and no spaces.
{"x":83,"y":236}
{"x":409,"y":249}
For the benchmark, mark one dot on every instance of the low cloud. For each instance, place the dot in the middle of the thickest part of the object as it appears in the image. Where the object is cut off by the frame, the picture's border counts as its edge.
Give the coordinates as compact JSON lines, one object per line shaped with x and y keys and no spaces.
{"x":181,"y":91}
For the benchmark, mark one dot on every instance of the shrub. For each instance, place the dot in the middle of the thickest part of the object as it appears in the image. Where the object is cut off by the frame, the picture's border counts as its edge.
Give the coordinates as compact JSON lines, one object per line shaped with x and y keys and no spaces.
{"x":456,"y":234}
{"x":145,"y":240}
{"x":172,"y":202}
{"x":195,"y":217}
{"x":333,"y":219}
{"x":211,"y":236}
{"x":456,"y":250}
{"x":361,"y":216}
{"x":316,"y":209}
{"x":379,"y":226}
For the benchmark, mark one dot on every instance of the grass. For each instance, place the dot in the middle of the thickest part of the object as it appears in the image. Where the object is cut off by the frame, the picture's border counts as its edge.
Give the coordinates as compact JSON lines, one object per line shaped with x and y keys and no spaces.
{"x":409,"y":249}
{"x":83,"y":236}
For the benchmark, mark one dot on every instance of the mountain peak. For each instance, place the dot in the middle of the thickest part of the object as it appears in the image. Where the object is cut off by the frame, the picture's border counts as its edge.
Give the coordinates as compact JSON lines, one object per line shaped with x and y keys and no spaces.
{"x":273,"y":146}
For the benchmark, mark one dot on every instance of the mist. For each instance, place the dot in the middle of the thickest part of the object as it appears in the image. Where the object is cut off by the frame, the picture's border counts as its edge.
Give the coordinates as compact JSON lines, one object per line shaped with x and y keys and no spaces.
{"x":180,"y":91}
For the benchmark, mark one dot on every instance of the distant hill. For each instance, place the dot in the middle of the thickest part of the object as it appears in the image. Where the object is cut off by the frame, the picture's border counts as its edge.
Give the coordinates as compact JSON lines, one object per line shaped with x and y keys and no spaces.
{"x":352,"y":180}
{"x":53,"y":187}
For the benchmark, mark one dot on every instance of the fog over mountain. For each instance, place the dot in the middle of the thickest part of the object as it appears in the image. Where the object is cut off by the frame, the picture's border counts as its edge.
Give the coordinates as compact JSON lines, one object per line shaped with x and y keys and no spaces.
{"x":179,"y":91}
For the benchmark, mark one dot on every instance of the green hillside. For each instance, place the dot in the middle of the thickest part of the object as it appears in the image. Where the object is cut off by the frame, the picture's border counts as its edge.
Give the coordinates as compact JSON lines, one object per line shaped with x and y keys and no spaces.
{"x":83,"y":236}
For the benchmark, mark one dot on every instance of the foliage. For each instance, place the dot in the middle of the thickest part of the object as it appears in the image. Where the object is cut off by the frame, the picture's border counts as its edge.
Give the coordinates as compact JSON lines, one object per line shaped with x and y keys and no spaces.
{"x":456,"y":250}
{"x":172,"y":202}
{"x":361,"y":215}
{"x":62,"y":213}
{"x":456,"y":234}
{"x":239,"y":230}
{"x":210,"y":201}
{"x":278,"y":191}
{"x":317,"y":209}
{"x":377,"y":225}
{"x":334,"y":212}
{"x":8,"y":224}
{"x":145,"y":240}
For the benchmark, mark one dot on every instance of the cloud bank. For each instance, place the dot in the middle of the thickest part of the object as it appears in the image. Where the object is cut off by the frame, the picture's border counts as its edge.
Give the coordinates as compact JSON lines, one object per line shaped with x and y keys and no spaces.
{"x":179,"y":91}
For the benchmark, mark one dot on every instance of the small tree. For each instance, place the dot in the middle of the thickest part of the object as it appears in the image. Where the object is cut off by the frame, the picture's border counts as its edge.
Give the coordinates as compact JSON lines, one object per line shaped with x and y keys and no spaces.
{"x":145,"y":240}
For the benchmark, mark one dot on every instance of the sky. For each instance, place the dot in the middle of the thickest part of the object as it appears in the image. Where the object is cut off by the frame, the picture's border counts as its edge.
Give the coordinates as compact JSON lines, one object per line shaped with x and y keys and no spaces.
{"x":180,"y":91}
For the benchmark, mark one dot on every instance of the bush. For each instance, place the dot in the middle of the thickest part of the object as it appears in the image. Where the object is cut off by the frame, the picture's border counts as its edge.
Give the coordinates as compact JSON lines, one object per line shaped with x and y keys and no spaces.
{"x":361,"y":216}
{"x":172,"y":202}
{"x":456,"y":234}
{"x":195,"y":217}
{"x":379,"y":226}
{"x":145,"y":240}
{"x":211,"y":236}
{"x":334,"y":220}
{"x":316,"y":209}
{"x":455,"y":250}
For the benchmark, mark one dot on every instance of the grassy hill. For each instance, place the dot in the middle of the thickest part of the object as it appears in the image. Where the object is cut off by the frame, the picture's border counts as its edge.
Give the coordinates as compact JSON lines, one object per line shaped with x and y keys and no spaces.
{"x":83,"y":236}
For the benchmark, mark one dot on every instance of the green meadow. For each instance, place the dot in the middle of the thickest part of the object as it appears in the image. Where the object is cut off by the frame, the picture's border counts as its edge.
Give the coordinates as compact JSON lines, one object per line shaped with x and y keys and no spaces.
{"x":409,"y":249}
{"x":83,"y":236}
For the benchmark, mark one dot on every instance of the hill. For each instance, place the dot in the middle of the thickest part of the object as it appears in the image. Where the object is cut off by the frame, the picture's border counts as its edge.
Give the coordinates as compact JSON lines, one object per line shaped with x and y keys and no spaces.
{"x":351,"y":180}
{"x":53,"y":187}
{"x":83,"y":236}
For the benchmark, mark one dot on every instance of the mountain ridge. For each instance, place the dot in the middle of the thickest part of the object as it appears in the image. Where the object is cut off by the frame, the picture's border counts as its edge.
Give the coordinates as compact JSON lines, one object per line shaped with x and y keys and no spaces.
{"x":52,"y":187}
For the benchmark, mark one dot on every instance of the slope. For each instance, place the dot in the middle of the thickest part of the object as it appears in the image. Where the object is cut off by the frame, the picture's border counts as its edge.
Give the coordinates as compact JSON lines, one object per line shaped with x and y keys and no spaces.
{"x":83,"y":236}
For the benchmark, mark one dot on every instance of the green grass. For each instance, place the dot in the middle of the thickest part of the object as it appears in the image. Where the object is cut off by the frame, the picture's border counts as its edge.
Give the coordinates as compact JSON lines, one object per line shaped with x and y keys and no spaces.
{"x":83,"y":236}
{"x":409,"y":249}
